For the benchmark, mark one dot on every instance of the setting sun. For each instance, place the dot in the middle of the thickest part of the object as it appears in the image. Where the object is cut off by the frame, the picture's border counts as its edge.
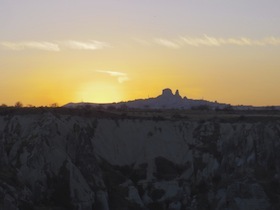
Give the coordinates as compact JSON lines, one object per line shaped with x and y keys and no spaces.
{"x":99,"y":92}
{"x":110,"y":51}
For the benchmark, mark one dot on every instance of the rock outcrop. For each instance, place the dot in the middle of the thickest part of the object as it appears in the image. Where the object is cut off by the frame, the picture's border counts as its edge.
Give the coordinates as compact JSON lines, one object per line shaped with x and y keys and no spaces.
{"x":177,"y":94}
{"x":56,"y":161}
{"x":167,"y":93}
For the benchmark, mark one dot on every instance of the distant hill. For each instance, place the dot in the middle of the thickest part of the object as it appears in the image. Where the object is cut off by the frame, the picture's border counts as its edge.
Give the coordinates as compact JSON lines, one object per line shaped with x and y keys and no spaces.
{"x":167,"y":100}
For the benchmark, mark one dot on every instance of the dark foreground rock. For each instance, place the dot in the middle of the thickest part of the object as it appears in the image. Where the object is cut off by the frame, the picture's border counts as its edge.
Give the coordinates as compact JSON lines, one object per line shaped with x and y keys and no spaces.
{"x":52,"y":161}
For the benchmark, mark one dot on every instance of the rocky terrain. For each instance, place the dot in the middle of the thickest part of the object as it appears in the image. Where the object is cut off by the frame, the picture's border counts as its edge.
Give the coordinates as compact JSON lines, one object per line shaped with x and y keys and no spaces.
{"x":57,"y":160}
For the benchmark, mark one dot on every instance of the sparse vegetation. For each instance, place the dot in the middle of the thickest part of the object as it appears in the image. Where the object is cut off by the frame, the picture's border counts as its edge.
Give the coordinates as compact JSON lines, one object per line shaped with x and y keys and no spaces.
{"x":54,"y":105}
{"x":18,"y":104}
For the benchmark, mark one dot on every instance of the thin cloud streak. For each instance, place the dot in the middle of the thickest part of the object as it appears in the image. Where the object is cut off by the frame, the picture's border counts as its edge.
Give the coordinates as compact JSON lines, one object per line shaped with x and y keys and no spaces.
{"x":46,"y":46}
{"x":217,"y":42}
{"x":55,"y":46}
{"x":90,"y":45}
{"x":167,"y":43}
{"x":122,"y":77}
{"x":212,"y":41}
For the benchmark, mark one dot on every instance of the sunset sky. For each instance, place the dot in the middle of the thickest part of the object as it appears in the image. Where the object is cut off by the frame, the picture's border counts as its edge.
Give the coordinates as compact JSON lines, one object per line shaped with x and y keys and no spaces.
{"x":60,"y":51}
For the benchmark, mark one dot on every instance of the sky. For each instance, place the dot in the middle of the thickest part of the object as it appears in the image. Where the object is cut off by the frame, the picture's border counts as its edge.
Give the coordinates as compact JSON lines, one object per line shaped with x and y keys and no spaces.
{"x":61,"y":51}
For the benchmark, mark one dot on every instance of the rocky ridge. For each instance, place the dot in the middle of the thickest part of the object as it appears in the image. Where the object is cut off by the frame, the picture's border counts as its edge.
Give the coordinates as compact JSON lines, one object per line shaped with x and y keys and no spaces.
{"x":167,"y":100}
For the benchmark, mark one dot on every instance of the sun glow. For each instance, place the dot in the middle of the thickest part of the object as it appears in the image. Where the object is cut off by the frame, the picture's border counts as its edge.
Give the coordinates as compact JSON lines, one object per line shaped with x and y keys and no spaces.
{"x":99,"y":92}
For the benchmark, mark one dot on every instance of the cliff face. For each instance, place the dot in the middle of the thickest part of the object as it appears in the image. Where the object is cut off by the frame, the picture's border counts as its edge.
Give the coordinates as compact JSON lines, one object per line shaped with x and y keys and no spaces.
{"x":52,"y":161}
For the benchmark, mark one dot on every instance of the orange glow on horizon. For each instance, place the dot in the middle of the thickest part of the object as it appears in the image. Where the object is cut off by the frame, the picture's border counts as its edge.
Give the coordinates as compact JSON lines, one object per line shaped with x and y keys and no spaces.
{"x":99,"y":92}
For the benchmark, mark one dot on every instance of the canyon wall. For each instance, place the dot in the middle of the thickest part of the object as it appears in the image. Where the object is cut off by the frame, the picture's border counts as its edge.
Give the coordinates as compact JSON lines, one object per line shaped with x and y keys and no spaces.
{"x":59,"y":161}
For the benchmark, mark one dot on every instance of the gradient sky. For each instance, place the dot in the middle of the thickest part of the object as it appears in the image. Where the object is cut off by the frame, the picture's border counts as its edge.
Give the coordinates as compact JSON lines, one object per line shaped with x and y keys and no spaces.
{"x":117,"y":50}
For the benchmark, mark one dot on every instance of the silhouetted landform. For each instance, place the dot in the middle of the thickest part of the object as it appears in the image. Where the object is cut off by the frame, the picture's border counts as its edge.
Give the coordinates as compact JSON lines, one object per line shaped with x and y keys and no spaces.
{"x":168,"y":100}
{"x":116,"y":159}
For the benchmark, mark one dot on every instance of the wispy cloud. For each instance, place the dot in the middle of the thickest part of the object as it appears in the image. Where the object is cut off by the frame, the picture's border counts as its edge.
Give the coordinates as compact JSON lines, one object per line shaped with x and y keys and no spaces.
{"x":168,"y":43}
{"x":213,"y":41}
{"x":90,"y":45}
{"x":217,"y":42}
{"x":55,"y":46}
{"x":272,"y":40}
{"x":47,"y":46}
{"x":122,"y":77}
